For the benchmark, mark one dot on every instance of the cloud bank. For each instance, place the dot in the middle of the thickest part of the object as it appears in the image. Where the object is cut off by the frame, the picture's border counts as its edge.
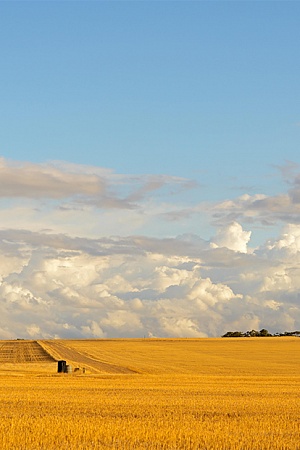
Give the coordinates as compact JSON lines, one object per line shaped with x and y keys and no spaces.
{"x":77,"y":258}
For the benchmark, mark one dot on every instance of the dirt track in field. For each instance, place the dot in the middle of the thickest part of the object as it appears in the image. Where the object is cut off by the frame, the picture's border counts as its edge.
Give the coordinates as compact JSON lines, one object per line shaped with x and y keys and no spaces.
{"x":83,"y":360}
{"x":23,"y":352}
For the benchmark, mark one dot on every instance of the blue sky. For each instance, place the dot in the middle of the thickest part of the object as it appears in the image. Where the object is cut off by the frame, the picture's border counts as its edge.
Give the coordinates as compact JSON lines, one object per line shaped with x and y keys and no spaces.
{"x":151,"y":87}
{"x":163,"y":120}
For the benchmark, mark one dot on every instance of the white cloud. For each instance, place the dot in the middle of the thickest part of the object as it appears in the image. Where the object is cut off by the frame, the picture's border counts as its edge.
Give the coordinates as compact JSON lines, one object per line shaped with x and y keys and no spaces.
{"x":72,"y":287}
{"x":82,"y":200}
{"x":289,"y":241}
{"x":75,"y":260}
{"x":233,"y":237}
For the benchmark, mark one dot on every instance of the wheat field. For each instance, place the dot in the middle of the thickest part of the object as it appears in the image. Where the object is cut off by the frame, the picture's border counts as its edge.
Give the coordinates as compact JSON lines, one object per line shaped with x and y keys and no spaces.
{"x":210,"y":394}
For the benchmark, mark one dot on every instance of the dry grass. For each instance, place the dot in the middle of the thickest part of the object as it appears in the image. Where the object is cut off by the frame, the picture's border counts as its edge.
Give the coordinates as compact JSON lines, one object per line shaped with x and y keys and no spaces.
{"x":188,"y":394}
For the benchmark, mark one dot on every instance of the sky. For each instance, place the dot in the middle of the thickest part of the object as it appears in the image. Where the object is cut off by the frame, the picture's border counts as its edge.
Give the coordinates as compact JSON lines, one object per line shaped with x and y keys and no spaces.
{"x":149,"y":168}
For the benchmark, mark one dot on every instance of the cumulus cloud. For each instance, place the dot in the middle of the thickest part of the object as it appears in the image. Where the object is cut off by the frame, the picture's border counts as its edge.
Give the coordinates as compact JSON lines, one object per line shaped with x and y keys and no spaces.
{"x":288,"y":242}
{"x":92,"y":255}
{"x":260,"y":208}
{"x":58,"y":286}
{"x":233,"y":237}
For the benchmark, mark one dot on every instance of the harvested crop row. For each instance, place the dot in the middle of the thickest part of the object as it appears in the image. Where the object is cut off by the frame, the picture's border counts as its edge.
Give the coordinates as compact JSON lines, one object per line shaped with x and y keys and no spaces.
{"x":95,"y":365}
{"x":23,"y":352}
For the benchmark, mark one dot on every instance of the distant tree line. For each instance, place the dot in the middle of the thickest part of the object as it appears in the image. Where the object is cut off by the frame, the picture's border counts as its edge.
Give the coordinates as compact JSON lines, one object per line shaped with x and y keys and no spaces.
{"x":262,"y":333}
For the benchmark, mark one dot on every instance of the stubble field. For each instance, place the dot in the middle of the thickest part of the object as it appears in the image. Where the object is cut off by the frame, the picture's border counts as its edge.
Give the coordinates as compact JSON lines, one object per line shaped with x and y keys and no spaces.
{"x":155,"y":394}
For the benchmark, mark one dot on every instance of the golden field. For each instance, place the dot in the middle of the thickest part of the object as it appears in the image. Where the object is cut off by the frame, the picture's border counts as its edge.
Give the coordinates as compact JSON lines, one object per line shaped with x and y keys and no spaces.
{"x":156,"y":394}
